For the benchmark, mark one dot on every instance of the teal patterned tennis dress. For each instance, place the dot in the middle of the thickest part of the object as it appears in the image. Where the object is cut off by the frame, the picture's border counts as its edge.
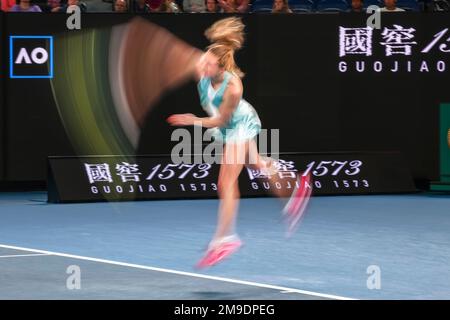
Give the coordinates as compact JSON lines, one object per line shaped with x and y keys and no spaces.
{"x":244,"y":123}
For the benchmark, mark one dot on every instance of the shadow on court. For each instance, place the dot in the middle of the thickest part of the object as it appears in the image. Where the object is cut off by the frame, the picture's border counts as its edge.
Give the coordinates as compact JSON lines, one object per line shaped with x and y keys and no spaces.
{"x":31,"y":275}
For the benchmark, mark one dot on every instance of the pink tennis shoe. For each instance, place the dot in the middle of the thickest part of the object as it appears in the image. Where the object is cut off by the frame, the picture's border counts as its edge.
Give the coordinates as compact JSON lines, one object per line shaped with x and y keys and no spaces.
{"x":295,"y":208}
{"x":219,"y":252}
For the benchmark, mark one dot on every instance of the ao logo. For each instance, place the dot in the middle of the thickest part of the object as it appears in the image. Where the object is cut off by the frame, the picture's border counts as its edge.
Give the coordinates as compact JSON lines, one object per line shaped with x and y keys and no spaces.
{"x":38,"y":56}
{"x":31,"y":56}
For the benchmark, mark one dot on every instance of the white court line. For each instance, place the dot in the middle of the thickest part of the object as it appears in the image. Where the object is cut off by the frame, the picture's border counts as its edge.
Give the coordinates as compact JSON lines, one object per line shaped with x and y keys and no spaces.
{"x":26,"y":255}
{"x":183,"y":273}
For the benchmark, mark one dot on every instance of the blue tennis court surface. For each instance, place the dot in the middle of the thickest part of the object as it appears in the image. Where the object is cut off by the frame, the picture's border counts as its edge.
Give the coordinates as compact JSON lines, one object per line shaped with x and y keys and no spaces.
{"x":147,"y":250}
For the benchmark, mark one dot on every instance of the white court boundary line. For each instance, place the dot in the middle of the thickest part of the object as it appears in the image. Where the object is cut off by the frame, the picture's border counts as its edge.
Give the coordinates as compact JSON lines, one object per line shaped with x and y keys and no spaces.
{"x":25,"y":255}
{"x":183,"y":273}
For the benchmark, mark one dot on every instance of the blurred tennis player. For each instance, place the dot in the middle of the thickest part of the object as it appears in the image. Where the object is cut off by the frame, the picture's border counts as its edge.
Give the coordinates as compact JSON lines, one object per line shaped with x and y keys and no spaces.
{"x":234,"y":122}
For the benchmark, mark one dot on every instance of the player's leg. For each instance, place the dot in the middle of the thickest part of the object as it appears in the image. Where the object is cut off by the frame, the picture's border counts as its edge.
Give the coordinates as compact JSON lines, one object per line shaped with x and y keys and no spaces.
{"x":267,"y":166}
{"x":298,"y":193}
{"x":228,"y":188}
{"x":225,"y":240}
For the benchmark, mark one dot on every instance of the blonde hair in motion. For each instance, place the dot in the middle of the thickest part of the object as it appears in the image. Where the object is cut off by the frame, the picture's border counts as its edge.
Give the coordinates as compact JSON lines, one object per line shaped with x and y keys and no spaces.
{"x":226,"y":36}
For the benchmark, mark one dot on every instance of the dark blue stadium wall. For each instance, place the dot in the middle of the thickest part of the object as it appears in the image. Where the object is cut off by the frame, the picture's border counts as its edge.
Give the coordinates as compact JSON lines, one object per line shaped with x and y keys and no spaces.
{"x":3,"y":75}
{"x":293,"y":78}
